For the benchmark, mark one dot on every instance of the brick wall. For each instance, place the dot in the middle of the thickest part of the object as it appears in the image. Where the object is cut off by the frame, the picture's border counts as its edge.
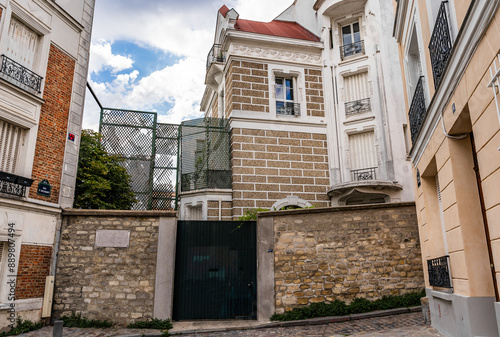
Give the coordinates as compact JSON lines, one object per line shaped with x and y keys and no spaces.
{"x":53,"y":124}
{"x":34,"y":267}
{"x":215,"y":107}
{"x":116,"y":284}
{"x":247,"y":87}
{"x":344,"y":253}
{"x":314,"y":93}
{"x":271,"y":165}
{"x":213,"y":210}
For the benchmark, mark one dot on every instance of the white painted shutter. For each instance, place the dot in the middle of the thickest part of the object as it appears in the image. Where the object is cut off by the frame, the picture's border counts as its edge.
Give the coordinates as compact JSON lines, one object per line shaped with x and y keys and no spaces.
{"x":10,"y":140}
{"x":356,"y":87}
{"x":362,"y":150}
{"x":21,"y":43}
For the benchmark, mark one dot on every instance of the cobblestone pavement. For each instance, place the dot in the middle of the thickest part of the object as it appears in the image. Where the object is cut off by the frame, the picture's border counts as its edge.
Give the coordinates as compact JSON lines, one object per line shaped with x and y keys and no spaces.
{"x":405,"y":325}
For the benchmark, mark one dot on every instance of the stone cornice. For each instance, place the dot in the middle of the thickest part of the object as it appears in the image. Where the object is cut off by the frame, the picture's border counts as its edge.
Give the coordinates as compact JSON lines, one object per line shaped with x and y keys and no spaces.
{"x":268,"y":53}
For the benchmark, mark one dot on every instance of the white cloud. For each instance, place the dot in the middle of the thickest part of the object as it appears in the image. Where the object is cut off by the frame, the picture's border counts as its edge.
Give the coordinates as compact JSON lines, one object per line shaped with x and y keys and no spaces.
{"x":102,"y":57}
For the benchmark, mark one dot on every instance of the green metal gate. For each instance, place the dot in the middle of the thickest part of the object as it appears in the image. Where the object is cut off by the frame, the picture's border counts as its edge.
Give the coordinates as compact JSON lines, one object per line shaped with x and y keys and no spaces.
{"x":215,"y":270}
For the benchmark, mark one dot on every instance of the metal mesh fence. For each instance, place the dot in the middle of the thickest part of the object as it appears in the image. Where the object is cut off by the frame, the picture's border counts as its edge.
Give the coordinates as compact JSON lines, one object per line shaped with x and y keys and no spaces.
{"x":205,"y":154}
{"x":151,"y":155}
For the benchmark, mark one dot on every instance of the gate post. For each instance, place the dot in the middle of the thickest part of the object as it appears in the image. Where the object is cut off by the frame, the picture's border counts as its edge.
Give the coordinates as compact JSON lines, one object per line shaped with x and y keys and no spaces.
{"x":165,"y":266}
{"x":266,"y":304}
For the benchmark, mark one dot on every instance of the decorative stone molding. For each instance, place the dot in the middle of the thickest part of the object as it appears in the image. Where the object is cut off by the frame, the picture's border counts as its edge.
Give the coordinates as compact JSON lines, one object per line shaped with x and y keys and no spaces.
{"x":275,"y":54}
{"x":291,"y":200}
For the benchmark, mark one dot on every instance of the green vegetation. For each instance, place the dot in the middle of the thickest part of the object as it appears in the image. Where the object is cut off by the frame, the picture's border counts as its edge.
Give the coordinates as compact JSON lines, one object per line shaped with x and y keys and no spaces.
{"x":251,"y":214}
{"x":359,"y":305}
{"x":101,"y":182}
{"x":155,"y":323}
{"x":77,"y":321}
{"x":22,"y":326}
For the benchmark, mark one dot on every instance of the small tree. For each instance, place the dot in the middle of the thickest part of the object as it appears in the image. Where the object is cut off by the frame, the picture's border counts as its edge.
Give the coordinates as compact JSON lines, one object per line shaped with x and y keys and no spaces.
{"x":101,"y":183}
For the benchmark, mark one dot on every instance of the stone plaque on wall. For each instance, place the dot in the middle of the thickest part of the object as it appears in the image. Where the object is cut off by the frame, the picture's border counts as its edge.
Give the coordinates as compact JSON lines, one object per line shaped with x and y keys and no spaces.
{"x":112,"y":238}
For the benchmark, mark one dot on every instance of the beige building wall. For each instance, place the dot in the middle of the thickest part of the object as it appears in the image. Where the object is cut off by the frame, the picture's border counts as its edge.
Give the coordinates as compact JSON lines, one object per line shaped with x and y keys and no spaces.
{"x":458,"y":209}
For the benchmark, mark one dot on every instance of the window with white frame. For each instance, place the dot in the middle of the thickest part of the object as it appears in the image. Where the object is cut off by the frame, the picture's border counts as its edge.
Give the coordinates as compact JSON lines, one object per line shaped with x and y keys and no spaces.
{"x":11,"y":140}
{"x":351,"y":40}
{"x":413,"y":65}
{"x":22,"y":43}
{"x":285,"y":96}
{"x":356,"y":94}
{"x":363,"y":156}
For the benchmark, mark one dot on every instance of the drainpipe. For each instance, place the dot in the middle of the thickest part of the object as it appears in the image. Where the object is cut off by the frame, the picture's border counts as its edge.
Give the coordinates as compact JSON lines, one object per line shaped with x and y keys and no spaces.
{"x":220,"y":208}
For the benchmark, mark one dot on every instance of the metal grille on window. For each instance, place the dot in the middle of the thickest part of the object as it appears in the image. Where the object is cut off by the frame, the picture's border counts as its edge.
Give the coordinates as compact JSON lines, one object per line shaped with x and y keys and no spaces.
{"x":363,"y":156}
{"x":10,"y":140}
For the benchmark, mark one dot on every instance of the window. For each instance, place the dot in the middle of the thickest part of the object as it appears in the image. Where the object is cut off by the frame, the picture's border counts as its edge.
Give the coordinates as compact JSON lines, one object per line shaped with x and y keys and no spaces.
{"x":22,"y":44}
{"x":11,"y":138}
{"x":285,"y":104}
{"x":356,"y":94}
{"x":363,"y":156}
{"x":351,"y":40}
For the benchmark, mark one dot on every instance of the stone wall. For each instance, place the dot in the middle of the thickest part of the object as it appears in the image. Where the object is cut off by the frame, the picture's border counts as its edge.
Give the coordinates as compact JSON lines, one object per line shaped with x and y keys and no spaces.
{"x":314,"y":93}
{"x":321,"y":255}
{"x":271,"y":165}
{"x":113,"y":283}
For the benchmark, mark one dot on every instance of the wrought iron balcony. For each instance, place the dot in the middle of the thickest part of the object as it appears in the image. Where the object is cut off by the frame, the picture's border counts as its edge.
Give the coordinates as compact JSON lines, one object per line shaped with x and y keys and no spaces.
{"x":356,"y":107}
{"x":289,"y":109}
{"x":439,"y":272}
{"x":215,"y":55}
{"x":21,"y":76}
{"x":364,"y":174}
{"x":13,"y":184}
{"x":352,"y":49}
{"x":440,"y":45}
{"x":418,"y":111}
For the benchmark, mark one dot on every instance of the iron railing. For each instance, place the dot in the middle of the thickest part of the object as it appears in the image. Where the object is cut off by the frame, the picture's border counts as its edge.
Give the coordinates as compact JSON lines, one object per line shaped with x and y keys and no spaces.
{"x":291,"y":109}
{"x":355,"y":107}
{"x":439,"y":272}
{"x":215,"y":55}
{"x":352,"y":49}
{"x":440,"y":45}
{"x":364,"y":174}
{"x":27,"y":79}
{"x":13,"y":184}
{"x":418,"y":111}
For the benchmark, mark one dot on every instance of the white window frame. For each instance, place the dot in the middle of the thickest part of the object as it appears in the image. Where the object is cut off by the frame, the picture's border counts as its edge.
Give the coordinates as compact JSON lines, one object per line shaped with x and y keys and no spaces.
{"x":283,"y":99}
{"x":298,"y":77}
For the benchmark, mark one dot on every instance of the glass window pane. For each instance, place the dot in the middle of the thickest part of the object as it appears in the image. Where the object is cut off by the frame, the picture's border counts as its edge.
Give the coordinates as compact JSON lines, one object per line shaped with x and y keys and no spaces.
{"x":346,"y":35}
{"x":357,"y":35}
{"x":279,"y":89}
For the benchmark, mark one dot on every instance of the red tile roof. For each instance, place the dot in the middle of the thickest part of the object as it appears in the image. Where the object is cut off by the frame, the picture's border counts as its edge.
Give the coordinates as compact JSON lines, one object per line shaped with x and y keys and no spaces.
{"x":224,"y":10}
{"x":276,"y":28}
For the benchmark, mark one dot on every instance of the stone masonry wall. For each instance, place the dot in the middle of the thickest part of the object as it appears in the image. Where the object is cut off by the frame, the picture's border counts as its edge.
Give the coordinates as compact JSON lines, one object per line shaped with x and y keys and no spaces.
{"x":247,"y":87}
{"x":314,"y":93}
{"x":116,"y":284}
{"x":213,"y":210}
{"x":345,"y":252}
{"x":53,"y":124}
{"x":34,"y":265}
{"x":271,"y":165}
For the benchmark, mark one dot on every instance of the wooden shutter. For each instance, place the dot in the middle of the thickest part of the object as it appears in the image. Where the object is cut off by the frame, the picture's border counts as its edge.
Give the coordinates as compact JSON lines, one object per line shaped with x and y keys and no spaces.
{"x":356,"y":87}
{"x":22,"y":43}
{"x":362,"y":150}
{"x":10,"y":140}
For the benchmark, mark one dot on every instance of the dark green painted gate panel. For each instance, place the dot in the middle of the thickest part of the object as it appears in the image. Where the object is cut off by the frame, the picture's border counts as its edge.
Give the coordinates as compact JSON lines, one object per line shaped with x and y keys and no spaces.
{"x":215,"y":270}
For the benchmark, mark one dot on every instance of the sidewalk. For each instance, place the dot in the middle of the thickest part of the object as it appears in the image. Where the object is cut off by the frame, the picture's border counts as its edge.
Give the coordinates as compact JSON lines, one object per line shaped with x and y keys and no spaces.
{"x":389,"y":323}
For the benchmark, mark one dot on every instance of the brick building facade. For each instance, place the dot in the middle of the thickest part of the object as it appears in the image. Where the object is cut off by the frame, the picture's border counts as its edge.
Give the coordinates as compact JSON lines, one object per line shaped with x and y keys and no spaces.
{"x":45,"y":54}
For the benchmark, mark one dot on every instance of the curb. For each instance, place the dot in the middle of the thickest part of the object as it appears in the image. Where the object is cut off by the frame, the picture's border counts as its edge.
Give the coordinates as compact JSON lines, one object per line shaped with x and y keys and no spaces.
{"x":310,"y":321}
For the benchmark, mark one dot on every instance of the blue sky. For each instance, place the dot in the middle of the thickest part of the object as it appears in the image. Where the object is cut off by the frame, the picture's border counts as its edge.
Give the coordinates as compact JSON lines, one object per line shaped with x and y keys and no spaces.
{"x":150,"y":54}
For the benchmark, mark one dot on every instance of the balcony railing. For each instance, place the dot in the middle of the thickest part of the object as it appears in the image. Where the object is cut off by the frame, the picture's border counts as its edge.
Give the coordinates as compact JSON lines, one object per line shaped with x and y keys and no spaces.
{"x":417,"y":111}
{"x":215,"y":55}
{"x":440,"y":45}
{"x":364,"y":174}
{"x":439,"y":272}
{"x":356,"y":107}
{"x":352,"y":49}
{"x":290,"y":109}
{"x":13,"y":184}
{"x":21,"y":76}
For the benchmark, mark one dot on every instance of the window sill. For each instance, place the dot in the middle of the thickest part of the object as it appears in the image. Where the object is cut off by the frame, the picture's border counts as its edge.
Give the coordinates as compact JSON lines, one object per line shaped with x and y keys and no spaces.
{"x":359,"y":118}
{"x":352,"y":59}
